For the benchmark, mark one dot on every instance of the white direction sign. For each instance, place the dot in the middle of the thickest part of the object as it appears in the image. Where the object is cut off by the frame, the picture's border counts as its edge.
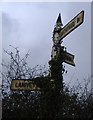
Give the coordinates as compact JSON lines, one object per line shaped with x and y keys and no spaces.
{"x":24,"y":85}
{"x":74,"y":23}
{"x":69,"y":58}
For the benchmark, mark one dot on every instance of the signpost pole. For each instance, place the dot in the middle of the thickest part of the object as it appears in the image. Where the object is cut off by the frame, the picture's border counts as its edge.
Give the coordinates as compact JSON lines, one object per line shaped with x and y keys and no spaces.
{"x":56,"y":57}
{"x":56,"y":67}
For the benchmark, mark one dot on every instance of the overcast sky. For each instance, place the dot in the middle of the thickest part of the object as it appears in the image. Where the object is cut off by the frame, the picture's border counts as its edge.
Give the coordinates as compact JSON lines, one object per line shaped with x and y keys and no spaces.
{"x":29,"y":26}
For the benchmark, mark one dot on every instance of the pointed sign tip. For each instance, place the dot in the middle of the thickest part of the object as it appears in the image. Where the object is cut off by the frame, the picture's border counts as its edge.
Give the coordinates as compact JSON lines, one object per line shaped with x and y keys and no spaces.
{"x":59,"y":20}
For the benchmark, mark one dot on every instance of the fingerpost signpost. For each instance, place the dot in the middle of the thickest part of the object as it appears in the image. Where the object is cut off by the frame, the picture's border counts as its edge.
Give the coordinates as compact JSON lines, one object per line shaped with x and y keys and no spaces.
{"x":58,"y":55}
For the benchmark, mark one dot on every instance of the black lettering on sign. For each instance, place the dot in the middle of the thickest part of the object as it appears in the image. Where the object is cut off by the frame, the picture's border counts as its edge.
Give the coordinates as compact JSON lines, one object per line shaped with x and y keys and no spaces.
{"x":69,"y":58}
{"x":16,"y":85}
{"x":78,"y":19}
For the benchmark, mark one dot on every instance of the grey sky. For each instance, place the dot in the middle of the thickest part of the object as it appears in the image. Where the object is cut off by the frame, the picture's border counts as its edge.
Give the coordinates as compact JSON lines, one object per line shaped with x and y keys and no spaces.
{"x":30,"y":26}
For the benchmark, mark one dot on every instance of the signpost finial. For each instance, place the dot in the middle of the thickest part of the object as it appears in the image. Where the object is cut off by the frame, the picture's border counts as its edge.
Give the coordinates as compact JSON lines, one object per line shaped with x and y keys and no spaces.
{"x":59,"y":21}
